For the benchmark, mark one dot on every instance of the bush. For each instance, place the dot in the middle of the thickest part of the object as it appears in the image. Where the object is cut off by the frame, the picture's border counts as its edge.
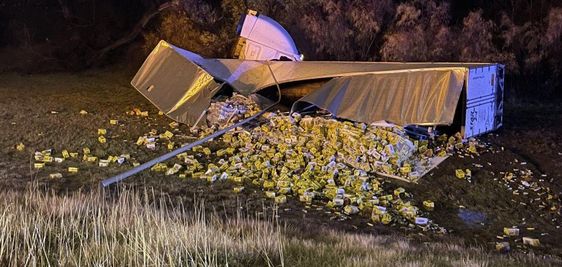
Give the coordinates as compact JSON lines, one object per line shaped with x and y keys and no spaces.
{"x":177,"y":28}
{"x":420,"y":32}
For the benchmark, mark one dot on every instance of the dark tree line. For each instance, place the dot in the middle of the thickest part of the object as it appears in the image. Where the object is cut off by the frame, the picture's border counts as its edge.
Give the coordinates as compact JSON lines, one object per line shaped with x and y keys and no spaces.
{"x":526,"y":35}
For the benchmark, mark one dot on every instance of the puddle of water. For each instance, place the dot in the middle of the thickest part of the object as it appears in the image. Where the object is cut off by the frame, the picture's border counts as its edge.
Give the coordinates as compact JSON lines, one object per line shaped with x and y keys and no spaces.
{"x":471,"y":217}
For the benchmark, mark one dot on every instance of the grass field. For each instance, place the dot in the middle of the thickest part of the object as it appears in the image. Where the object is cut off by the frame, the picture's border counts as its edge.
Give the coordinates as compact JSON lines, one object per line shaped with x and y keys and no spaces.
{"x":155,"y":219}
{"x":129,"y":230}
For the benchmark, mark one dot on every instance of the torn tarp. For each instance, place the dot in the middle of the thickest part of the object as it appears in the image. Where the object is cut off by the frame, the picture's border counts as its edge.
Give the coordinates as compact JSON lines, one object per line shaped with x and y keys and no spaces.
{"x":421,"y":96}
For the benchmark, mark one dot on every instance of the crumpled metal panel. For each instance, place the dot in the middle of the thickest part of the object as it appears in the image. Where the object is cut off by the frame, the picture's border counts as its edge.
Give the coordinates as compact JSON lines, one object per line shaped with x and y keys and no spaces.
{"x":250,"y":76}
{"x":176,"y":86}
{"x":422,"y":96}
{"x":182,"y":84}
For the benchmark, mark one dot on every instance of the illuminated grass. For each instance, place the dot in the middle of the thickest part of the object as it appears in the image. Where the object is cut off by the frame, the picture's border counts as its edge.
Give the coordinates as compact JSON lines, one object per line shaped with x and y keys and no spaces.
{"x":93,"y":229}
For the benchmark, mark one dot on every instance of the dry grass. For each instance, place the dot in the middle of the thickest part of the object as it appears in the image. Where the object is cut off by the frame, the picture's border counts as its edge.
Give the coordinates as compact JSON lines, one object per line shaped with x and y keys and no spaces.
{"x":86,"y":229}
{"x":129,"y":230}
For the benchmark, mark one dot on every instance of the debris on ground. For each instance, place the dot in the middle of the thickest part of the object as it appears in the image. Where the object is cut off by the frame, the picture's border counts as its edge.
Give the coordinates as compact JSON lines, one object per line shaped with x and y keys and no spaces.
{"x":511,"y":231}
{"x":56,"y":175}
{"x":503,"y":247}
{"x":38,"y":165}
{"x":20,"y":147}
{"x":428,"y":205}
{"x":227,"y":111}
{"x":318,"y":159}
{"x":459,"y":173}
{"x":314,"y":158}
{"x":531,"y":241}
{"x":137,"y":112}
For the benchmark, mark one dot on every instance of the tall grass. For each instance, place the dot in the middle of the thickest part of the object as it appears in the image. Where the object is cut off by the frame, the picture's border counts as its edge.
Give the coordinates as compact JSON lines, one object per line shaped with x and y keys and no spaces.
{"x":87,"y":229}
{"x":132,"y":230}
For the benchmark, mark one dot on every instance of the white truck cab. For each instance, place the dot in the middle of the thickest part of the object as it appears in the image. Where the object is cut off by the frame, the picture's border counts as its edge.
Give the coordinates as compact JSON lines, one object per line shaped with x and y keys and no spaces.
{"x":262,"y":38}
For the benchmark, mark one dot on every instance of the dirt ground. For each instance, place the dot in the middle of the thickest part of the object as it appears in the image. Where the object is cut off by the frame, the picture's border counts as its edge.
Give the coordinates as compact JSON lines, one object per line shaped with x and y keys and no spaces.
{"x":43,"y":112}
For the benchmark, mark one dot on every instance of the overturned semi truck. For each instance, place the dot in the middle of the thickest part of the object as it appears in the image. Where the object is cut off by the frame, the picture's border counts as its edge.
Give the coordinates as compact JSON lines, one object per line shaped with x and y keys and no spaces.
{"x":467,"y":96}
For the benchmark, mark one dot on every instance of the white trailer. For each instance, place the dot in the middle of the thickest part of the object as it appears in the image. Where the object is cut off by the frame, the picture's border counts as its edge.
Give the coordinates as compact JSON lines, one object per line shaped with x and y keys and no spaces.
{"x":483,"y":109}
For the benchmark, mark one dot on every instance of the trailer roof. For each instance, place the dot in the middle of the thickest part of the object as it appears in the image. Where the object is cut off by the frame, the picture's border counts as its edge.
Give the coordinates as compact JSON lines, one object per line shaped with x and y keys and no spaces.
{"x":183,"y":86}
